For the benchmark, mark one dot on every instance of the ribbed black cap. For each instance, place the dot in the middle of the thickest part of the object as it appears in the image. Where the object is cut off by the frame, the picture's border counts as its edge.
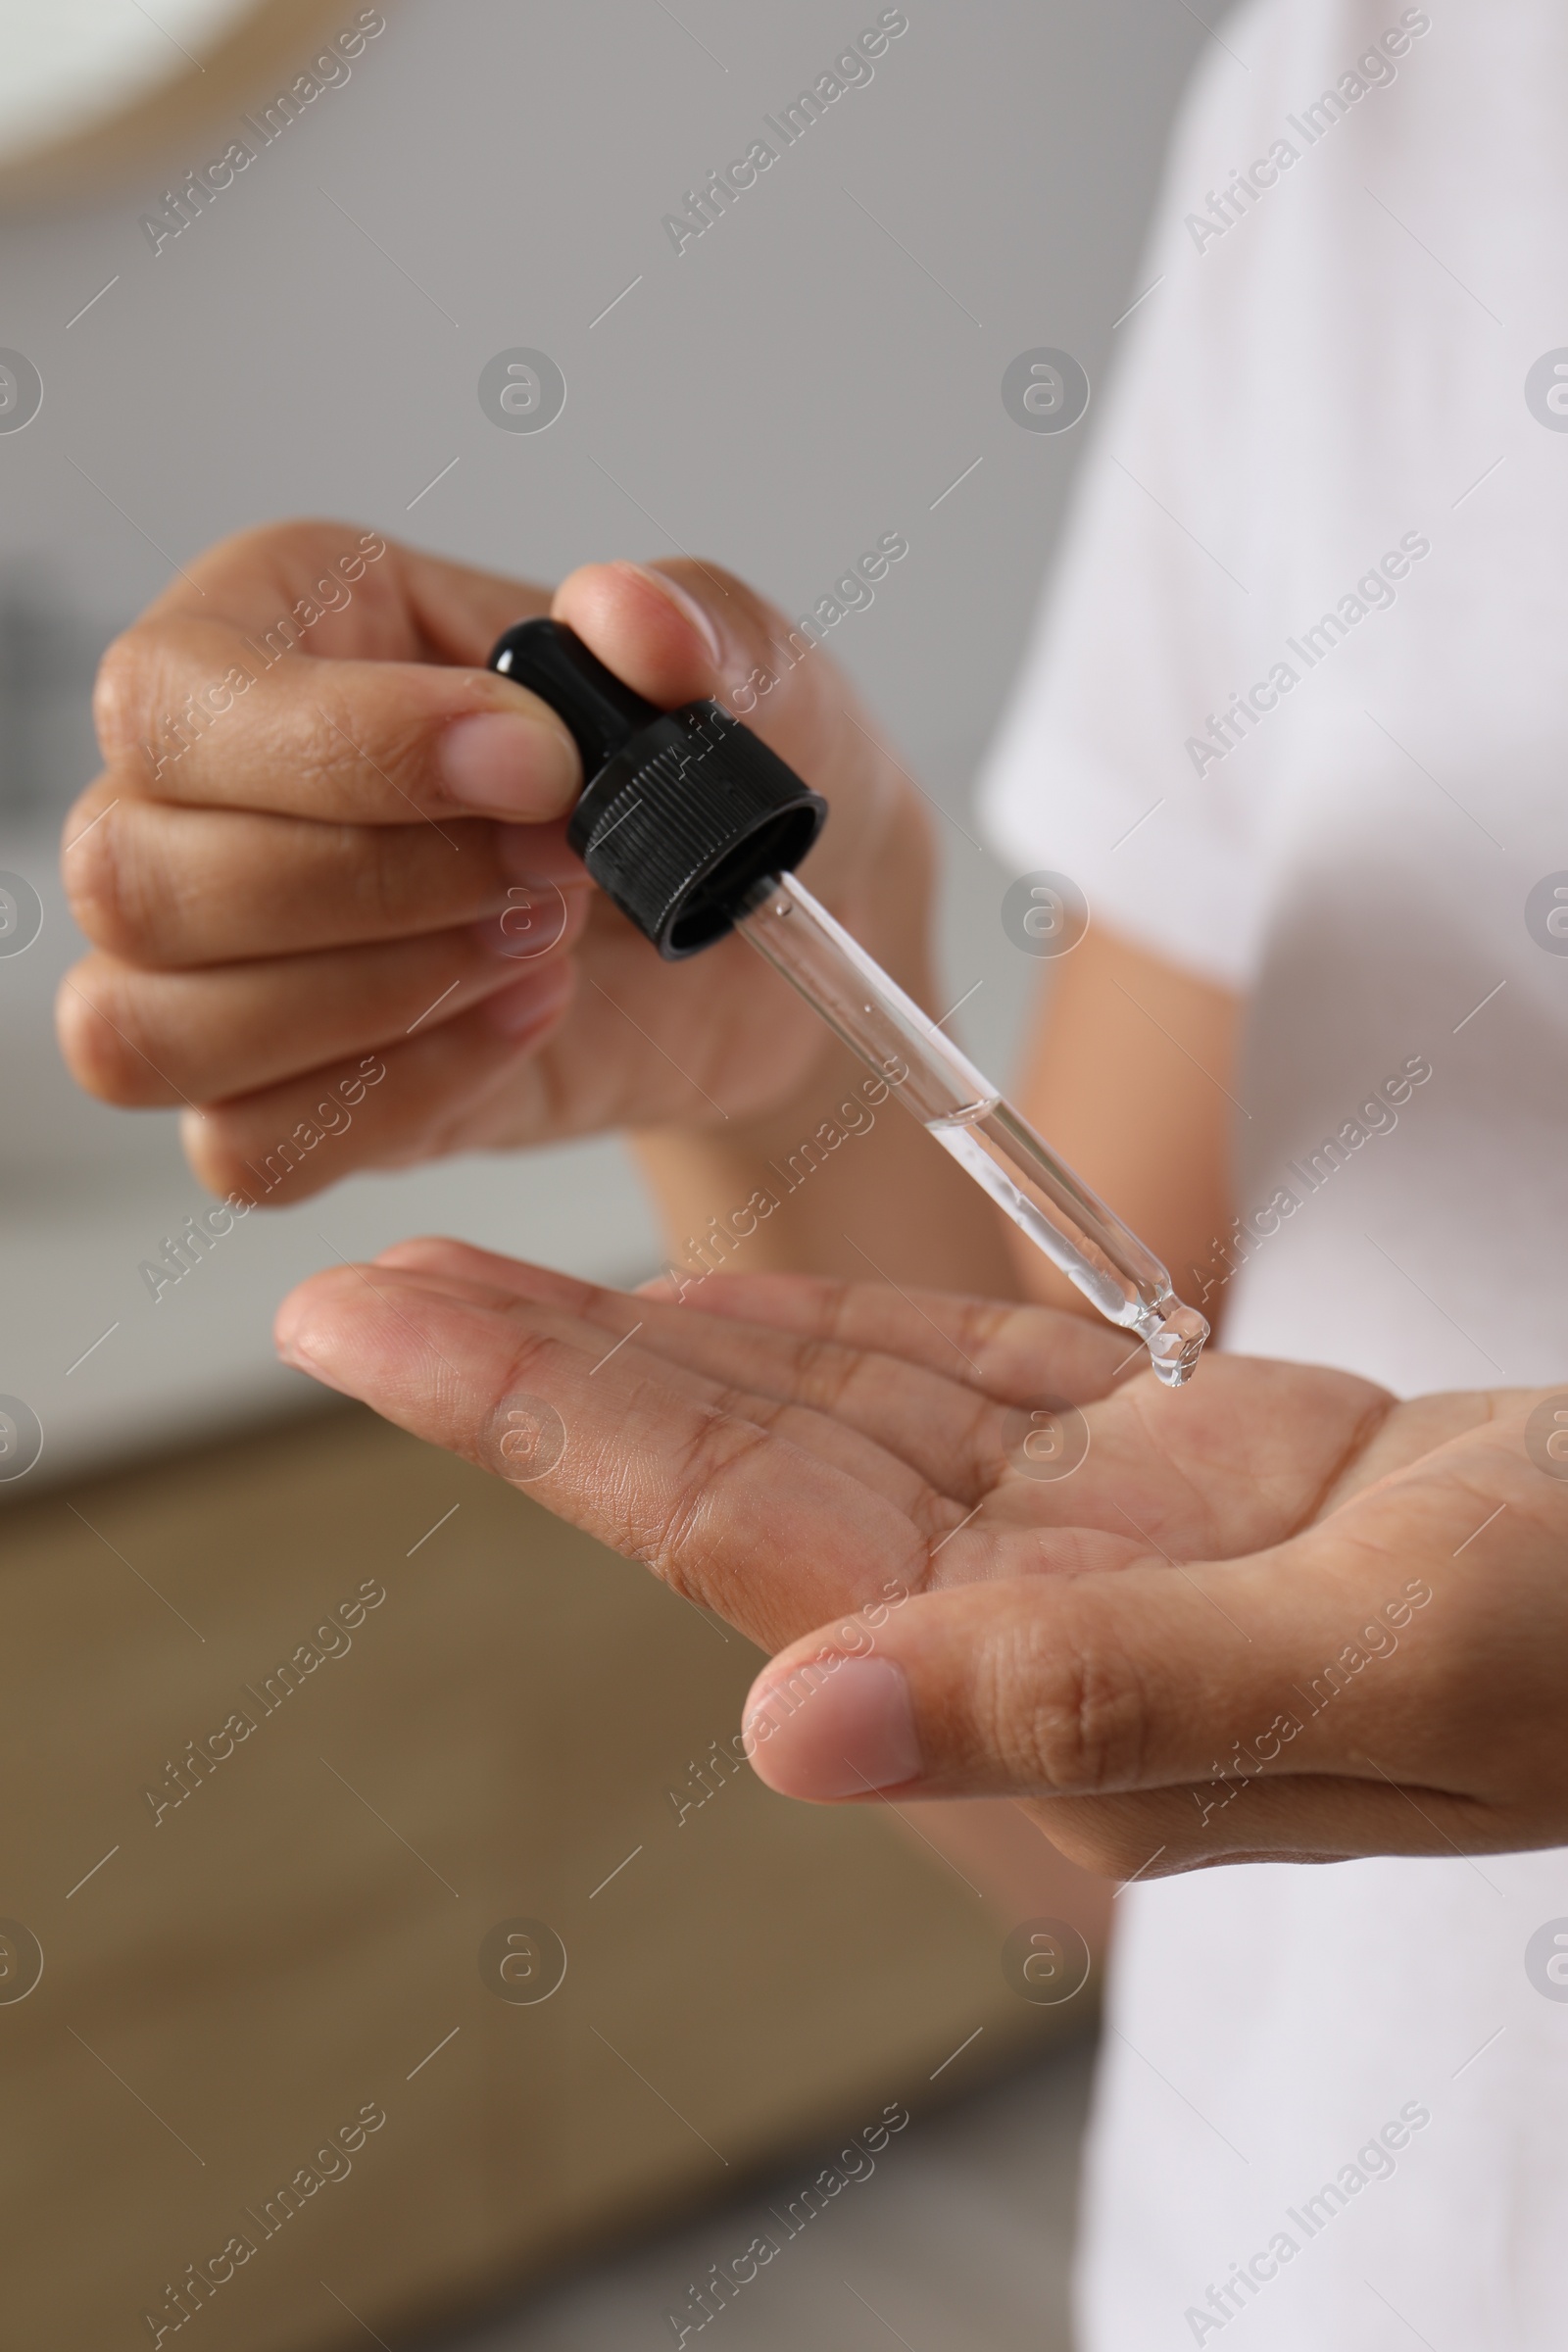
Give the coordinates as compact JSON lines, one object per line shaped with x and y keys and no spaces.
{"x":684,"y":812}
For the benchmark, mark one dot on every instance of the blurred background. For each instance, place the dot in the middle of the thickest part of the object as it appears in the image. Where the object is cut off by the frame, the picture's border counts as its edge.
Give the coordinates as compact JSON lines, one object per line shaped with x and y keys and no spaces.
{"x":245,"y":1974}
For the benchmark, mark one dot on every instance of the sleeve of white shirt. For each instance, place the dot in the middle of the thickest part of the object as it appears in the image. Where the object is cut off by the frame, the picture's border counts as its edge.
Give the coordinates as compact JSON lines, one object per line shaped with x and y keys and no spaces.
{"x":1109,"y":765}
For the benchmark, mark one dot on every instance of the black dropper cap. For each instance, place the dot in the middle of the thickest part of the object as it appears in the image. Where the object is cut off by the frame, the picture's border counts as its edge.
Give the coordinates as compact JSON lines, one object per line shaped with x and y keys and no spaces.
{"x":683,"y":812}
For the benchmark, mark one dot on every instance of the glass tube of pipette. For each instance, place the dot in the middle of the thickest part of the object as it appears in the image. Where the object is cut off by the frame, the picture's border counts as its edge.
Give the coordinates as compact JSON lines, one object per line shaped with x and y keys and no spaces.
{"x":971,"y":1120}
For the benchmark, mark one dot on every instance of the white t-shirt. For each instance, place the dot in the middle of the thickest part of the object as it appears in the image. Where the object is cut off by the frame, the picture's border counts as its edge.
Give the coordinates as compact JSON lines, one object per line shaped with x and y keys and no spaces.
{"x":1320,"y":485}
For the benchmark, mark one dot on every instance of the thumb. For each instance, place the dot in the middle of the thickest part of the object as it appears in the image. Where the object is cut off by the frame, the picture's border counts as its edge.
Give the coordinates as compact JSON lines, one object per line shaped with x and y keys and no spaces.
{"x":686,"y":631}
{"x":1143,"y":1678}
{"x":656,"y":627}
{"x":682,"y":631}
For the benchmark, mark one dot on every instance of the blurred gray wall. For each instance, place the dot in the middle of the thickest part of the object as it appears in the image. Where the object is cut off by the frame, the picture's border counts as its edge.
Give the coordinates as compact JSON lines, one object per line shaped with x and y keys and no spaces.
{"x":812,"y":372}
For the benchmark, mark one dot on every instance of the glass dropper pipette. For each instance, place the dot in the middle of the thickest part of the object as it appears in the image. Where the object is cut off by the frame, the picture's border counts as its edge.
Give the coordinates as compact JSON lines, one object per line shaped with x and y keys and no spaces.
{"x":693,"y":826}
{"x":972,"y":1121}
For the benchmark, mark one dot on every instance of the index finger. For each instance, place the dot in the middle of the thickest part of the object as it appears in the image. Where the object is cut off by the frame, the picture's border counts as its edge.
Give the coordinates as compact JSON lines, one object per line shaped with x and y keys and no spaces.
{"x":305,"y":671}
{"x":373,"y":596}
{"x":663,"y":1464}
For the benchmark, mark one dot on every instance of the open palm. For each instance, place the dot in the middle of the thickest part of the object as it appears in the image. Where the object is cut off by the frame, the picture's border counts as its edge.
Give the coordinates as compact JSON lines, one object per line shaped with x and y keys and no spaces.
{"x":1261,"y":1616}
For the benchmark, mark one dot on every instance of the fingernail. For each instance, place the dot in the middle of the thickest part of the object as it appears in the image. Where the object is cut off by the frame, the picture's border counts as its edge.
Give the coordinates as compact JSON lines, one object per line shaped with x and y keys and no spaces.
{"x":508,"y":766}
{"x":530,"y":1003}
{"x":686,"y":606}
{"x":835,"y":1726}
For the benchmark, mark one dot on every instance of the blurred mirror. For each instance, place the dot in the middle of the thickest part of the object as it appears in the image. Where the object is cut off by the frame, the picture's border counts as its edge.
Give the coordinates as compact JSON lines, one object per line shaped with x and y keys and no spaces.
{"x":91,"y":89}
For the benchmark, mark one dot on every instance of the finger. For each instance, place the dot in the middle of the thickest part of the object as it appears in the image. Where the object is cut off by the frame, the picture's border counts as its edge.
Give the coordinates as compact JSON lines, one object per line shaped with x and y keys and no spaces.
{"x":1184,"y":1475}
{"x":828,"y":1727}
{"x":371,"y":596}
{"x":211,"y":696}
{"x":956,"y":1437}
{"x":451,"y":1270}
{"x":188,"y":711}
{"x":651,"y":1460}
{"x":392,"y":1109}
{"x":886,"y":1458}
{"x":884,"y":1455}
{"x":680,"y":630}
{"x":153,"y":1037}
{"x":1106,"y":1684}
{"x":513,"y":1279}
{"x":685,"y":630}
{"x":551,"y":1055}
{"x":1016,"y":1353}
{"x":175,"y":887}
{"x":657,"y":625}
